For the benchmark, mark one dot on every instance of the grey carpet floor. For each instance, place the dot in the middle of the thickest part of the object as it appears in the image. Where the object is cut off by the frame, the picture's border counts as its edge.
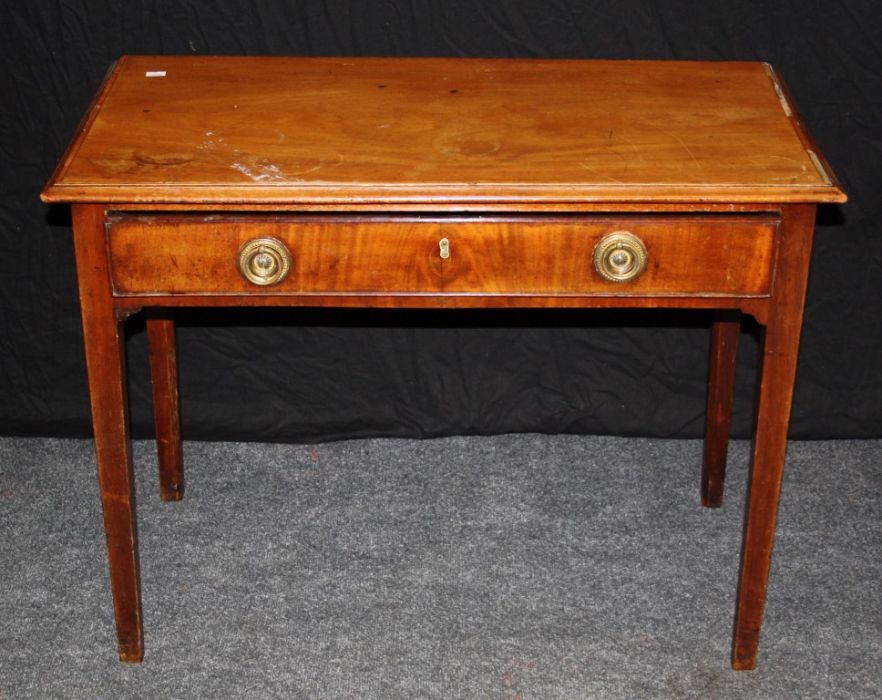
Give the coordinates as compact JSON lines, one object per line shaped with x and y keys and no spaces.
{"x":511,"y":567}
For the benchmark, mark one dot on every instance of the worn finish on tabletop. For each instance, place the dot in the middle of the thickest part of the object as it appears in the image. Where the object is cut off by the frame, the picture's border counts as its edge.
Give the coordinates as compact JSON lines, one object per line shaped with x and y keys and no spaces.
{"x":221,"y":129}
{"x":442,"y":183}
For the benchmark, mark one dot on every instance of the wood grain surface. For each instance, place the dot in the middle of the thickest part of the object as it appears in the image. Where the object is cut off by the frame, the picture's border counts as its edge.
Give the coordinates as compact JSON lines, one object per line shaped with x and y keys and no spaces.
{"x":372,"y":130}
{"x":687,"y":256}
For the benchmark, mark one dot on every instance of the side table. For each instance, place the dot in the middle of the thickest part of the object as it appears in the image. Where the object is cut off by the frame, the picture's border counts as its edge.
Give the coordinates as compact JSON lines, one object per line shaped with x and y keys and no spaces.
{"x":441,"y":183}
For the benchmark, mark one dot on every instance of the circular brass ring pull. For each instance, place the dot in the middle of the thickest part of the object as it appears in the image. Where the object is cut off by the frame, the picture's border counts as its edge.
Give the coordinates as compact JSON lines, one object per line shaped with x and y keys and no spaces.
{"x":264,"y":261}
{"x":620,"y":257}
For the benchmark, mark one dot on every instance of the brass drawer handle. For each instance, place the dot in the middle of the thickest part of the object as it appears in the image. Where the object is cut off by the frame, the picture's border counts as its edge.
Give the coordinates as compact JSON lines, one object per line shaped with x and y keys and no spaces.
{"x":620,"y":257}
{"x":264,"y":261}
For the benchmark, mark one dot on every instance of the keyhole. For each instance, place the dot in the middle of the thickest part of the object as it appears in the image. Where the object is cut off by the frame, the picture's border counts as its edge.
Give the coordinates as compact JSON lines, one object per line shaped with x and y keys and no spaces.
{"x":444,"y":246}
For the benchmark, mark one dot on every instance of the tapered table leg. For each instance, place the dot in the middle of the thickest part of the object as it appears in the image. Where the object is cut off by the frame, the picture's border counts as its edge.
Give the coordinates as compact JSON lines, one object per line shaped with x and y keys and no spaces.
{"x":105,"y":361}
{"x":166,"y":405}
{"x":725,"y":330}
{"x":779,"y":356}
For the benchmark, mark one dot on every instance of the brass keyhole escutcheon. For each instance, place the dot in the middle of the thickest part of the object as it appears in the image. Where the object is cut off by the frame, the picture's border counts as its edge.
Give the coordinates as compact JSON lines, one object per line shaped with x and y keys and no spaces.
{"x":444,"y":248}
{"x":264,"y":261}
{"x":620,"y":257}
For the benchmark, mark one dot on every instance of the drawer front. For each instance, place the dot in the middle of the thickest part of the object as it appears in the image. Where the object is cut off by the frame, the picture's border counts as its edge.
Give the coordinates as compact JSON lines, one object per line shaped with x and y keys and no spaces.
{"x":685,"y":256}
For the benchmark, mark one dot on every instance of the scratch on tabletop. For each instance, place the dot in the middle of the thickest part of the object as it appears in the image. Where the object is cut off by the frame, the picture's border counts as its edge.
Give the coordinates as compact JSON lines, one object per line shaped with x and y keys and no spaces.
{"x":689,"y":151}
{"x":587,"y":167}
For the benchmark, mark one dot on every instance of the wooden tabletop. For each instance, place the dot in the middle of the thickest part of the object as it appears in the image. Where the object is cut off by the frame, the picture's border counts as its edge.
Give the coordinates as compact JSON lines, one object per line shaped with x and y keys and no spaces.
{"x":172,"y":129}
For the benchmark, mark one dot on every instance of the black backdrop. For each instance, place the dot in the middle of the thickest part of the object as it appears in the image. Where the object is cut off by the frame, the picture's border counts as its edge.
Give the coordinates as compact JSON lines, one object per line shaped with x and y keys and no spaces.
{"x":296,"y":375}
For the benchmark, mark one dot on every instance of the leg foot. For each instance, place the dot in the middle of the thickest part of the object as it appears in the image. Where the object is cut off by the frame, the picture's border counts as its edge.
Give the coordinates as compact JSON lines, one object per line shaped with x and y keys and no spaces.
{"x":105,"y":362}
{"x":166,"y":404}
{"x":779,"y":356}
{"x":725,"y":330}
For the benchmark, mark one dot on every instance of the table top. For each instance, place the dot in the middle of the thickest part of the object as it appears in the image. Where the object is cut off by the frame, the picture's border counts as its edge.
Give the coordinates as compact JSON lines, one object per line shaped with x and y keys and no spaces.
{"x":262,"y":130}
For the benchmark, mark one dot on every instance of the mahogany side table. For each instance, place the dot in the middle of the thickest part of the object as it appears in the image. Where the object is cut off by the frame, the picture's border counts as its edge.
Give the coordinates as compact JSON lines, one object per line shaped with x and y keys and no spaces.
{"x":228,"y":182}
